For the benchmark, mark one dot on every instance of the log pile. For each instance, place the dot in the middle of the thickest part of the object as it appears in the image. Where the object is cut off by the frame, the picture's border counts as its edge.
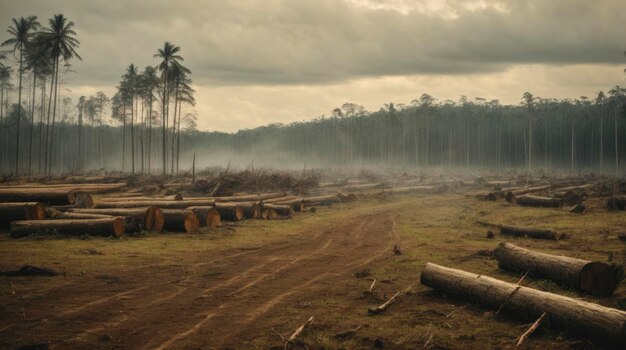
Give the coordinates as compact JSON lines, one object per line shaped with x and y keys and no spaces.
{"x":113,"y":226}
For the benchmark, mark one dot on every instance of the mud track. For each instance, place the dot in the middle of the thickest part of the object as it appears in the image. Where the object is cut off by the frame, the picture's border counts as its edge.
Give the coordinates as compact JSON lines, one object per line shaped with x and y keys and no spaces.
{"x":204,"y":301}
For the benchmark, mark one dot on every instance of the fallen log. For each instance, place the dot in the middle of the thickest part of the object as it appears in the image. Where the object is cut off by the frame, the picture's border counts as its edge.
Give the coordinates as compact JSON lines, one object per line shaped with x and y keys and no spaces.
{"x":280,"y":199}
{"x":268,"y":213}
{"x":21,"y":211}
{"x":321,"y":200}
{"x":182,"y":204}
{"x":616,"y":203}
{"x":249,"y":197}
{"x":536,"y":233}
{"x":511,"y":195}
{"x":98,"y":227}
{"x":282,"y":210}
{"x":346,"y":197}
{"x":61,"y":196}
{"x":176,"y":197}
{"x":251,"y":210}
{"x":295,"y":204}
{"x":575,"y":315}
{"x":536,"y":201}
{"x":230,"y":211}
{"x":569,"y":197}
{"x":137,"y":219}
{"x":207,"y":216}
{"x":52,"y":213}
{"x":596,"y":278}
{"x":180,"y":221}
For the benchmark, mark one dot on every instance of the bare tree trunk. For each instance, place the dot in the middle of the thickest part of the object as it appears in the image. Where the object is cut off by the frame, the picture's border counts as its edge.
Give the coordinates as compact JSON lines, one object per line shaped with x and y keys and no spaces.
{"x":54,"y":111}
{"x":123,"y":136}
{"x":19,"y":116}
{"x":32,"y":126}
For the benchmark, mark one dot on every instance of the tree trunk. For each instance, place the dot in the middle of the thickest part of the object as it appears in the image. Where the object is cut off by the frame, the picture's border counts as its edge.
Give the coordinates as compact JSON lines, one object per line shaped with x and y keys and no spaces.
{"x":536,"y":201}
{"x":19,"y":116}
{"x":207,"y":216}
{"x":575,"y":315}
{"x":52,"y":213}
{"x":96,"y":227}
{"x":596,"y":278}
{"x":282,"y":210}
{"x":181,"y":221}
{"x":21,"y":211}
{"x":232,"y":211}
{"x":144,"y":218}
{"x":182,"y":204}
{"x":54,"y":114}
{"x":32,"y":126}
{"x":530,"y":232}
{"x":511,"y":194}
{"x":60,"y":196}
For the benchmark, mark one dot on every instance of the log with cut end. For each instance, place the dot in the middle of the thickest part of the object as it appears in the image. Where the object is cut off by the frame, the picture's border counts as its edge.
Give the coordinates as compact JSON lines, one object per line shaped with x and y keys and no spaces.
{"x":137,"y":219}
{"x":176,"y":197}
{"x":207,"y":216}
{"x":282,"y":210}
{"x":569,"y":197}
{"x":251,"y":210}
{"x":231,"y":211}
{"x":52,"y":213}
{"x":268,"y":213}
{"x":616,"y":203}
{"x":81,"y":199}
{"x":180,"y":220}
{"x":511,"y":195}
{"x":49,"y":196}
{"x":575,"y":315}
{"x":249,"y":197}
{"x":537,"y":233}
{"x":596,"y":278}
{"x":21,"y":211}
{"x":91,"y":188}
{"x":113,"y":226}
{"x":536,"y":201}
{"x":296,"y":204}
{"x":182,"y":204}
{"x":280,"y":199}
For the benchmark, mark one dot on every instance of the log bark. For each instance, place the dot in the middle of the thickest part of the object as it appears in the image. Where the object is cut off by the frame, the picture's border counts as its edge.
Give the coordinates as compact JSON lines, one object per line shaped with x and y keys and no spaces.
{"x":536,"y":201}
{"x":52,"y":213}
{"x":575,"y":315}
{"x":595,"y":278}
{"x":249,"y":197}
{"x":280,"y":199}
{"x":321,"y":200}
{"x":176,"y":197}
{"x":21,"y":211}
{"x":296,"y":204}
{"x":47,"y":196}
{"x":182,"y":204}
{"x":282,"y":210}
{"x":98,"y":227}
{"x":137,"y":219}
{"x":536,"y":233}
{"x":180,"y":220}
{"x":251,"y":210}
{"x":570,"y":197}
{"x":231,"y":211}
{"x":268,"y":213}
{"x":510,"y":196}
{"x":207,"y":216}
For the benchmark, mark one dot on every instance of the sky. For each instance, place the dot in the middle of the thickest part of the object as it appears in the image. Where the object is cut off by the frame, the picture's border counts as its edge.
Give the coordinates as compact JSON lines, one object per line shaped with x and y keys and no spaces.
{"x":256,"y":62}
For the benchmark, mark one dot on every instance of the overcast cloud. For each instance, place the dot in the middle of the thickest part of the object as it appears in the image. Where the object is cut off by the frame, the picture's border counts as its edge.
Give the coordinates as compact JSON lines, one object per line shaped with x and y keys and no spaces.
{"x":256,"y":62}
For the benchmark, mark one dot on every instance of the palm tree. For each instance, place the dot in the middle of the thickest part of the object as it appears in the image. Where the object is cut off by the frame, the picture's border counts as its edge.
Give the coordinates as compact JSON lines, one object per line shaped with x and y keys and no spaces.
{"x":61,"y":43}
{"x":130,"y":82}
{"x":149,"y":83}
{"x":169,"y":57}
{"x":22,"y":31}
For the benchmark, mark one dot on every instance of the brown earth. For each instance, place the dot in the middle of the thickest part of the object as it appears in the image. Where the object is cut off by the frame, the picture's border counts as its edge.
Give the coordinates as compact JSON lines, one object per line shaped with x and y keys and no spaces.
{"x":239,"y":286}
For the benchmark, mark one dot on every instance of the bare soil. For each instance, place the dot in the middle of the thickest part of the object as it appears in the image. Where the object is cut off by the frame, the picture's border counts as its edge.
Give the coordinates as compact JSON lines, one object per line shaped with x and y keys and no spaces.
{"x":239,"y":286}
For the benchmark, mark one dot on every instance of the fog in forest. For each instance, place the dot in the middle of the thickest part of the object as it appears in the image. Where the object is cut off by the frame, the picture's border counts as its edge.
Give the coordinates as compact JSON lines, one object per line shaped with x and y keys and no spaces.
{"x":157,"y":110}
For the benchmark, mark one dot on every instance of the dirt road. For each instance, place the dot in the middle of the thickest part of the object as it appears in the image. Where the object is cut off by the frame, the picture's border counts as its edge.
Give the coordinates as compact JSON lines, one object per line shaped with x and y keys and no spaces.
{"x":219,"y":302}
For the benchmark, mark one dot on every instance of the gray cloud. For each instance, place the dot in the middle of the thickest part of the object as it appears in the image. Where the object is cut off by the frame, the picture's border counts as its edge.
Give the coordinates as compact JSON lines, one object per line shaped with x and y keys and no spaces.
{"x":321,"y":41}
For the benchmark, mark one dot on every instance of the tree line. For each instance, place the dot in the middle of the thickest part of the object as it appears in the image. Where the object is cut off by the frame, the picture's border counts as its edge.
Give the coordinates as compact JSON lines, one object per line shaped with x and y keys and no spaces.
{"x":44,"y":132}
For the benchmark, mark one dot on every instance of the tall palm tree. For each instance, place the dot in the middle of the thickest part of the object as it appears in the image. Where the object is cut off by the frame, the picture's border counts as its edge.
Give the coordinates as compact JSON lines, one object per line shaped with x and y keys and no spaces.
{"x":61,"y":44}
{"x":130,"y":81}
{"x":169,"y":57}
{"x":150,"y":82}
{"x":21,"y":32}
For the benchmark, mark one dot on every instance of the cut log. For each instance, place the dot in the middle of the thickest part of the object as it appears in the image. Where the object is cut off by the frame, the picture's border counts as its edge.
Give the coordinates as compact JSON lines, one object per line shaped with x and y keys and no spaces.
{"x":97,"y":227}
{"x":536,"y":233}
{"x":596,"y":278}
{"x":137,"y":219}
{"x":616,"y":203}
{"x":280,"y":199}
{"x":231,"y":211}
{"x":180,"y":220}
{"x":282,"y":210}
{"x":47,"y":196}
{"x":268,"y":213}
{"x":536,"y":201}
{"x":511,"y":195}
{"x":92,"y":188}
{"x":575,"y":315}
{"x":346,"y":197}
{"x":321,"y":200}
{"x":81,"y":199}
{"x":21,"y":211}
{"x":207,"y":216}
{"x":248,"y":197}
{"x":182,"y":204}
{"x":52,"y":213}
{"x":251,"y":210}
{"x":569,"y":197}
{"x":176,"y":197}
{"x":296,"y":204}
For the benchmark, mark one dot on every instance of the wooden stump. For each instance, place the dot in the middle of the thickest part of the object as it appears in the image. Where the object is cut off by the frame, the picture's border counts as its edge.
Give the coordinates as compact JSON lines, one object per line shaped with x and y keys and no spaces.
{"x":97,"y":227}
{"x":596,"y":278}
{"x":575,"y":315}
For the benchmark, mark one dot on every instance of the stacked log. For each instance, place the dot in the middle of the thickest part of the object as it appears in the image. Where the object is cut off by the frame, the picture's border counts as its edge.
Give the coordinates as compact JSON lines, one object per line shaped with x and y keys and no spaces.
{"x":21,"y":211}
{"x":321,"y":200}
{"x":52,"y":196}
{"x":182,"y":204}
{"x":113,"y":226}
{"x":569,"y":197}
{"x":281,"y":210}
{"x":249,"y":197}
{"x":52,"y":213}
{"x":536,"y":201}
{"x":176,"y":197}
{"x":251,"y":210}
{"x":511,"y":195}
{"x":269,"y":213}
{"x":137,"y":219}
{"x":576,"y":315}
{"x":180,"y":220}
{"x":536,"y":233}
{"x":596,"y":278}
{"x":231,"y":211}
{"x":297,"y":204}
{"x":207,"y":216}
